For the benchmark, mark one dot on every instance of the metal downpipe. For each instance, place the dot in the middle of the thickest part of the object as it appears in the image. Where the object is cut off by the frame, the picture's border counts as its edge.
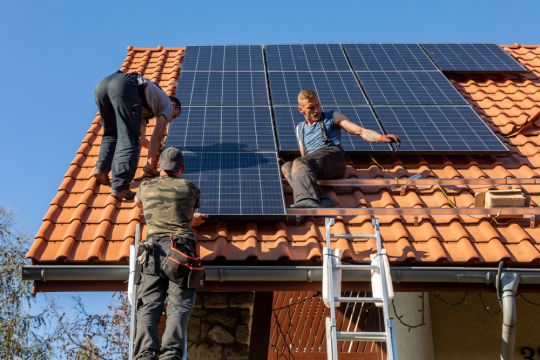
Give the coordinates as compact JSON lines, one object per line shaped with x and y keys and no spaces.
{"x":509,"y":285}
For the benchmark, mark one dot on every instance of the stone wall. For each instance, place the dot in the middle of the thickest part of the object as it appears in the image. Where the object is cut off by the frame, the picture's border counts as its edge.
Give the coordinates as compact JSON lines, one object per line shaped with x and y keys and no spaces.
{"x":219,"y":326}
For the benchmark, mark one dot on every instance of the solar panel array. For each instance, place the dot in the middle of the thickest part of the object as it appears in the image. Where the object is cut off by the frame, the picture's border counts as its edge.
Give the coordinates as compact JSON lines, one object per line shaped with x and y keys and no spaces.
{"x":472,"y":57}
{"x":410,"y":88}
{"x":226,"y":124}
{"x":388,"y":57}
{"x":236,"y":183}
{"x":237,"y":98}
{"x":439,"y":129}
{"x":223,"y":128}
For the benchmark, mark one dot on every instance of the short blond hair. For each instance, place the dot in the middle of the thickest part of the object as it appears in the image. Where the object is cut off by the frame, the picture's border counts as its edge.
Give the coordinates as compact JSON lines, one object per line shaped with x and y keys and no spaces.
{"x":306,"y":94}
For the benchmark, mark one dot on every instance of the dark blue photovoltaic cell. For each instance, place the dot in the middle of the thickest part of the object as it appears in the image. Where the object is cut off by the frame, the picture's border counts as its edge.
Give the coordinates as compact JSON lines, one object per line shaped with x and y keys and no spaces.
{"x":223,"y":129}
{"x":388,"y":57}
{"x":223,"y":58}
{"x":287,"y":117}
{"x":222,"y":88}
{"x":410,"y":88}
{"x":439,"y":129}
{"x":472,"y":57}
{"x":333,"y":88}
{"x":312,"y":57}
{"x":236,"y":183}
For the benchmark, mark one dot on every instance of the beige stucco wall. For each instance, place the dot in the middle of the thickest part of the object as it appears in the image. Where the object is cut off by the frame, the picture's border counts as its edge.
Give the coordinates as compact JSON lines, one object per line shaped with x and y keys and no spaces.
{"x":467,"y":331}
{"x":416,"y":344}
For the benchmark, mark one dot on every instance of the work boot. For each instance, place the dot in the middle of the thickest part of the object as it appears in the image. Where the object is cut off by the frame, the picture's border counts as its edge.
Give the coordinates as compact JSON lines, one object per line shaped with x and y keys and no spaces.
{"x":124,"y":194}
{"x":328,"y":203}
{"x":305,"y":203}
{"x":102,"y":177}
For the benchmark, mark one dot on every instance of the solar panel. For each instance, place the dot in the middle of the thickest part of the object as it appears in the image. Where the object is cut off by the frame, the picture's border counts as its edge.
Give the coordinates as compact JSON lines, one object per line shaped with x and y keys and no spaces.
{"x":236,"y":183}
{"x":234,"y":128}
{"x":410,"y":88}
{"x":439,"y":129}
{"x":312,"y":57}
{"x":333,"y":88}
{"x":223,"y":58}
{"x":222,"y":88}
{"x":288,"y":117}
{"x":388,"y":57}
{"x":472,"y":57}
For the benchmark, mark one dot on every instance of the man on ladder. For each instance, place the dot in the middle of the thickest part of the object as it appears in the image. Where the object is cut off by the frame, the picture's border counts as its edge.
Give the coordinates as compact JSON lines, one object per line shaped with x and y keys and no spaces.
{"x":319,"y":139}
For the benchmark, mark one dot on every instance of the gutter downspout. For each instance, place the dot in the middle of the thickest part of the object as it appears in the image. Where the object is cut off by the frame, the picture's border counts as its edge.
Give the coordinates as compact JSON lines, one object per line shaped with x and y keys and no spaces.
{"x":509,"y":286}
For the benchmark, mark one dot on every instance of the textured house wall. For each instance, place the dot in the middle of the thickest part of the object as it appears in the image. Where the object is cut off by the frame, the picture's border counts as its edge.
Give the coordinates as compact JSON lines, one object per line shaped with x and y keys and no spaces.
{"x":470,"y":331}
{"x":416,"y":343}
{"x":219,"y":327}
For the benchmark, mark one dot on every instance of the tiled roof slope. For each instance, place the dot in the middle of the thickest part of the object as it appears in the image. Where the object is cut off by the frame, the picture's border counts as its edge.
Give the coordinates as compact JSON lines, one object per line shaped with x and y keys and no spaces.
{"x":85,"y":223}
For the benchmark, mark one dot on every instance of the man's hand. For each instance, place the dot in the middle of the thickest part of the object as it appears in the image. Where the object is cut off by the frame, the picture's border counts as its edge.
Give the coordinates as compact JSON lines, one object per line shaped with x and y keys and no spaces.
{"x":150,"y":171}
{"x":198,"y":219}
{"x":389,"y":138}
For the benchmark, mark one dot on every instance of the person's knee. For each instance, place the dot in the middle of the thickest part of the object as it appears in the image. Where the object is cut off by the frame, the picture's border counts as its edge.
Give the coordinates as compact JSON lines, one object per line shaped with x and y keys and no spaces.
{"x":299,"y":165}
{"x":286,"y":169}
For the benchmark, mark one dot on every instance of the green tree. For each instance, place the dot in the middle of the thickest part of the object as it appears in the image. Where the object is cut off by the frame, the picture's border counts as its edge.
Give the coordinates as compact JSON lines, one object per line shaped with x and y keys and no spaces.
{"x":21,"y":332}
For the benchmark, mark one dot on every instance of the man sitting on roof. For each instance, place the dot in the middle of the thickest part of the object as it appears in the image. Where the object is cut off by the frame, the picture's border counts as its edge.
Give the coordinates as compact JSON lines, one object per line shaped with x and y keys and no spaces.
{"x":167,"y":259}
{"x":126,"y":101}
{"x":319,"y":139}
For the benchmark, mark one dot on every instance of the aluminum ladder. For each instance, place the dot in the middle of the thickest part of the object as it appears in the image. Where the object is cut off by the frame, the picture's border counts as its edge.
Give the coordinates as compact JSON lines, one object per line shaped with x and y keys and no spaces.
{"x":381,"y":284}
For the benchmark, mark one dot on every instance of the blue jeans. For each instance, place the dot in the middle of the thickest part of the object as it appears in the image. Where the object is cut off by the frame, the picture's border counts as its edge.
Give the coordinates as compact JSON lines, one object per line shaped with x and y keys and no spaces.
{"x":120,"y":107}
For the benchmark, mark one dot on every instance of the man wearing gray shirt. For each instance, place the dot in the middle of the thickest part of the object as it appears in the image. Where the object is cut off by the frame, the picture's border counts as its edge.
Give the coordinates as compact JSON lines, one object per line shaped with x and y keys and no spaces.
{"x":319,"y":140}
{"x":126,"y":101}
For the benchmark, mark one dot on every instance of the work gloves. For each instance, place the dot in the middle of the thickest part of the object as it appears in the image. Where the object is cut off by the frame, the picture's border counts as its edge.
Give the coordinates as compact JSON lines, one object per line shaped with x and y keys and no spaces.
{"x":390,"y":138}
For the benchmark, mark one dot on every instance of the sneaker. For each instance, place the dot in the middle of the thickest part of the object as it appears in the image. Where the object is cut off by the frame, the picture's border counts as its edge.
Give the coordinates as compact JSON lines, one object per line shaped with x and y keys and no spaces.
{"x":305,"y":203}
{"x":125,"y":194}
{"x":328,"y":203}
{"x":102,"y":178}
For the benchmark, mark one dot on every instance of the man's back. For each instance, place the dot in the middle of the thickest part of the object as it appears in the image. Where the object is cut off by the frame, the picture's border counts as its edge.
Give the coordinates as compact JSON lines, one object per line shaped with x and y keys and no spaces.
{"x":168,"y":205}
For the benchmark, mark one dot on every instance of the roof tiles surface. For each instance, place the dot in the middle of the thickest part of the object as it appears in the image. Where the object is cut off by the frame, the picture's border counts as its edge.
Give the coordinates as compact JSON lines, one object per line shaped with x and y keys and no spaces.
{"x":86,"y":224}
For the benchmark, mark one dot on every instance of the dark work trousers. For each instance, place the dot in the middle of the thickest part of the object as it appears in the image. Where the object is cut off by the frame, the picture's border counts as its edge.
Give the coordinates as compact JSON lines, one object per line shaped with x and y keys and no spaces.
{"x":151,"y":293}
{"x":120,"y":106}
{"x":303,"y":173}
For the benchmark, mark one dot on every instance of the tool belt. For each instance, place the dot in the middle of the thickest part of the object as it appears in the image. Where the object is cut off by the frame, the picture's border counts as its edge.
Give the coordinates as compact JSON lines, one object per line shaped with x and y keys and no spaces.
{"x":172,"y":260}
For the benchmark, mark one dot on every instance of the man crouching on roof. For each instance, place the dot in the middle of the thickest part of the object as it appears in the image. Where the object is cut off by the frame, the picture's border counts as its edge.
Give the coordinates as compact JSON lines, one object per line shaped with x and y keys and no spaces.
{"x":169,"y":203}
{"x":319,"y":139}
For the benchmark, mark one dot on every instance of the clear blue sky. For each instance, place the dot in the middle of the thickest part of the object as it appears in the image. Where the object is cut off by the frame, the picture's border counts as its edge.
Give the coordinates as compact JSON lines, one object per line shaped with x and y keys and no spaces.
{"x":55,"y":52}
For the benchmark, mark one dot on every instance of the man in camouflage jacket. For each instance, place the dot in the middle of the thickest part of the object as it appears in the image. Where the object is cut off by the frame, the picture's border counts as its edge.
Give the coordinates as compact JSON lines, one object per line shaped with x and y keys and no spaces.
{"x":169,"y":203}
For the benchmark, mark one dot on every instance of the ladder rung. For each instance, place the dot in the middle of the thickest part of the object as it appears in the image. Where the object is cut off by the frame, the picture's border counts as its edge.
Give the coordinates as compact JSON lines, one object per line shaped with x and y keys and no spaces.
{"x":358,"y":299}
{"x":361,"y":336}
{"x":352,"y":236}
{"x":356,"y":267}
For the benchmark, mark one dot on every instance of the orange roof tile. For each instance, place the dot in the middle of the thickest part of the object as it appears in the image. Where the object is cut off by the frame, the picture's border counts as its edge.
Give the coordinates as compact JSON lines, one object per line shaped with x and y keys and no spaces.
{"x":86,"y":224}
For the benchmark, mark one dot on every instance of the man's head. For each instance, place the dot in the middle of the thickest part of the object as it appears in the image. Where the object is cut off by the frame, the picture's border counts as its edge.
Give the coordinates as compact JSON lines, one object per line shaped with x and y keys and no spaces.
{"x":308,"y":104}
{"x":176,"y":106}
{"x":171,"y":161}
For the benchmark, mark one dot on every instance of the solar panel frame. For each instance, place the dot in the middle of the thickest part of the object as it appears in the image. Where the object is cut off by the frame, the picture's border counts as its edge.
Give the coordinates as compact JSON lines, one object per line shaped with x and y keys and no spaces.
{"x":388,"y":57}
{"x":332,"y":88}
{"x":202,"y":88}
{"x":236,"y":184}
{"x":224,"y":58}
{"x":306,"y":57}
{"x":409,"y":88}
{"x":439,"y":129}
{"x":287,"y":117}
{"x":481,"y":57}
{"x":220,"y":128}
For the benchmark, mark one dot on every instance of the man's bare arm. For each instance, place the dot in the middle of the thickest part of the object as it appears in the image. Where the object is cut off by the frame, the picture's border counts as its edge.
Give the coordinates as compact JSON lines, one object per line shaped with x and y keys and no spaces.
{"x":155,"y":142}
{"x":367,"y":134}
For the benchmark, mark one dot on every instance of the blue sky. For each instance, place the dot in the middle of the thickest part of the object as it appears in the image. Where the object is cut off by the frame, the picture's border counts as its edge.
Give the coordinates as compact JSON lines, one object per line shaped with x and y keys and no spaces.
{"x":55,"y":52}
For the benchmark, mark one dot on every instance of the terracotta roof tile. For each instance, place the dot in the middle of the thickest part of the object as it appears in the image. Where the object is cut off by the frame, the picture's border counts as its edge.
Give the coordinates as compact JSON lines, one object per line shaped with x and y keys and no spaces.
{"x":86,"y":224}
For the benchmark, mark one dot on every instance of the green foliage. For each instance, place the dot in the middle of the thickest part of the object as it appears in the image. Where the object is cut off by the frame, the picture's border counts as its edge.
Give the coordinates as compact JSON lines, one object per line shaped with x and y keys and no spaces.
{"x":20,"y":335}
{"x":49,"y":330}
